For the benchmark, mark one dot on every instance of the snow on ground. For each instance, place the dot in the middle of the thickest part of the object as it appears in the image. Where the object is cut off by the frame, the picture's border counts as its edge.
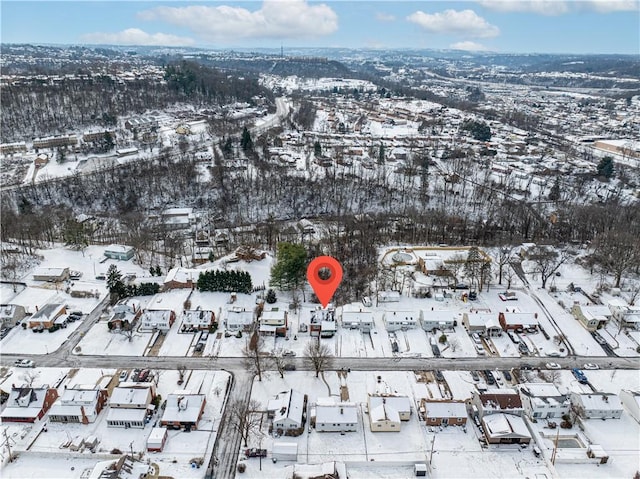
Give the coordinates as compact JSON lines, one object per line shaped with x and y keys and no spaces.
{"x":181,"y":446}
{"x":38,"y":465}
{"x":20,"y":340}
{"x":98,"y":340}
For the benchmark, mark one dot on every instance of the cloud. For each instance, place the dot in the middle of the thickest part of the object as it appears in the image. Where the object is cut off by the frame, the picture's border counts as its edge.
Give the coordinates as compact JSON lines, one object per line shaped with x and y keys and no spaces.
{"x":542,"y":7}
{"x":468,"y":46}
{"x":559,"y":7}
{"x":135,"y":36}
{"x":454,"y":22}
{"x":275,"y":19}
{"x":385,"y":17}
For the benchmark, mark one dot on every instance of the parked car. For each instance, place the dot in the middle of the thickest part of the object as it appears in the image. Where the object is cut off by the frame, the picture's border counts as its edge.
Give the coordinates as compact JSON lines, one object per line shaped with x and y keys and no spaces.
{"x":123,"y":375}
{"x":579,"y":375}
{"x":473,"y":296}
{"x":439,"y":375}
{"x":475,"y":376}
{"x":507,"y":375}
{"x":366,"y":300}
{"x":25,"y":363}
{"x":289,"y":367}
{"x":553,"y":366}
{"x":254,"y":452}
{"x":489,"y":377}
{"x":591,"y":366}
{"x":288,"y":354}
{"x":199,"y":347}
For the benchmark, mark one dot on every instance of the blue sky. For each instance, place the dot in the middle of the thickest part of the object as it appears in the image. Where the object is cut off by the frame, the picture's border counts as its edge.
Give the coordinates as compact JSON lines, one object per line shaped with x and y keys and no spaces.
{"x":553,"y":26}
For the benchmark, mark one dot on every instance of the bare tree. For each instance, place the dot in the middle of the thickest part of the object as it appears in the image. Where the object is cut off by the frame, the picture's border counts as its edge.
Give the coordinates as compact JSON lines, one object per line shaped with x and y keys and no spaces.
{"x":278,"y":360}
{"x":245,"y":417}
{"x":318,"y":355}
{"x":546,"y":262}
{"x":182,"y":369}
{"x":617,"y":252}
{"x":29,"y":377}
{"x":253,"y":352}
{"x":454,"y":344}
{"x":504,"y":255}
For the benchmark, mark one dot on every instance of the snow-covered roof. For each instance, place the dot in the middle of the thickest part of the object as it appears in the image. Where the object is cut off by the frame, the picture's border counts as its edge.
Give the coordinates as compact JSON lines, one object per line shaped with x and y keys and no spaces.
{"x":357,"y":317}
{"x":520,"y":318}
{"x":437,"y":316}
{"x":131,"y":396}
{"x":120,"y":414}
{"x":78,"y":396}
{"x":118,"y":248}
{"x":445,"y":409}
{"x":599,"y":401}
{"x":338,"y":413}
{"x":505,"y":425}
{"x":25,"y":402}
{"x":410,"y":316}
{"x":401,"y":404}
{"x":48,"y":312}
{"x":157,"y":435}
{"x":384,"y":412}
{"x":183,"y":407}
{"x":487,"y":320}
{"x":540,"y":390}
{"x":197,"y":317}
{"x":291,"y":406}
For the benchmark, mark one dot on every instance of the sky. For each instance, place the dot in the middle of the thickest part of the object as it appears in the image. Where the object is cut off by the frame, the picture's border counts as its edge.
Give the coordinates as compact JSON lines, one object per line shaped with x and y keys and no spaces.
{"x":505,"y":26}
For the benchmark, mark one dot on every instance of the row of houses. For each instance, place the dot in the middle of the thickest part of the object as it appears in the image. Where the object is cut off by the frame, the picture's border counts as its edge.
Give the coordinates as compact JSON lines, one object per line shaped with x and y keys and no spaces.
{"x":129,"y":406}
{"x":596,"y":316}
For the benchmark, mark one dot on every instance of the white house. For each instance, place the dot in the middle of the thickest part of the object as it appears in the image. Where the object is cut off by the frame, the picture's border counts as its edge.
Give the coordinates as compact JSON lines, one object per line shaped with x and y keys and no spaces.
{"x":402,"y":404}
{"x":383,"y":417}
{"x":505,"y":429}
{"x":598,"y":405}
{"x":183,"y":410}
{"x":485,"y":323}
{"x":287,"y":408}
{"x":80,"y":405}
{"x":362,"y":320}
{"x":592,"y":317}
{"x":440,"y":319}
{"x":543,"y":401}
{"x":285,"y":451}
{"x":631,"y":402}
{"x":335,"y":416}
{"x":395,"y":320}
{"x":157,"y":319}
{"x":239,"y":319}
{"x":197,"y":319}
{"x":130,"y":405}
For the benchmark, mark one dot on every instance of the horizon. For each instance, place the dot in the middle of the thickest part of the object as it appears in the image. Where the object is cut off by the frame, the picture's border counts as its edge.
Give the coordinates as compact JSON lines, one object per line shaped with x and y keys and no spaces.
{"x":564,"y":27}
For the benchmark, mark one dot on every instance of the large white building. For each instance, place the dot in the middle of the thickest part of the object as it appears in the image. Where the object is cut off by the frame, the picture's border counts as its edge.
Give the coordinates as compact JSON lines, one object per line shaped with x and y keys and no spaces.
{"x":543,"y":401}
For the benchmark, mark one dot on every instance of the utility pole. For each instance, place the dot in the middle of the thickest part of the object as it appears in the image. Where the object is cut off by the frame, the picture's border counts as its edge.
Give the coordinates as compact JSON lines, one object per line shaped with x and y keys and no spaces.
{"x":8,"y":444}
{"x":555,"y":448}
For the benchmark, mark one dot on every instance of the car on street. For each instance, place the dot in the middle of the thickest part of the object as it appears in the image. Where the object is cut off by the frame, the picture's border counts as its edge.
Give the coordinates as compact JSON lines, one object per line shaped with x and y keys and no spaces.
{"x":254,"y":452}
{"x":553,"y":366}
{"x":25,"y":363}
{"x":591,"y":366}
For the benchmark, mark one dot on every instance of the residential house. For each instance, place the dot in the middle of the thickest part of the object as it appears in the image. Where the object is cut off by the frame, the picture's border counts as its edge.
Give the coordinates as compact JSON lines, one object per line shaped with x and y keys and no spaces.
{"x":46,"y":316}
{"x":273,"y":322}
{"x":402,"y":404}
{"x":444,"y":413}
{"x":55,"y":141}
{"x":11,"y":148}
{"x":322,"y":322}
{"x":442,"y":320}
{"x":597,"y":405}
{"x":630,"y":318}
{"x":403,"y":320}
{"x":483,"y":323}
{"x":28,"y":404}
{"x":362,"y":320}
{"x":157,"y":319}
{"x":239,"y":318}
{"x":505,"y":429}
{"x":631,"y":402}
{"x":81,"y":404}
{"x":181,"y":278}
{"x":11,"y":315}
{"x":512,"y":321}
{"x":286,"y":409}
{"x":592,"y":317}
{"x":125,"y":315}
{"x":119,"y":252}
{"x":51,"y":275}
{"x":284,"y":451}
{"x":178,"y":218}
{"x":331,"y":416}
{"x":383,"y":417}
{"x":130,"y":404}
{"x":197,"y":319}
{"x":543,"y":401}
{"x":183,"y":410}
{"x":430,"y":263}
{"x":495,"y":401}
{"x":388,"y":296}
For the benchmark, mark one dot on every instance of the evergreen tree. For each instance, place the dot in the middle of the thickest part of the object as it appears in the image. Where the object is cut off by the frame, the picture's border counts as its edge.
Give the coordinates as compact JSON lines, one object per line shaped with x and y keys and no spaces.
{"x":289,"y":270}
{"x":115,"y":284}
{"x":271,"y":297}
{"x":245,"y":141}
{"x":605,"y":167}
{"x":317,"y":149}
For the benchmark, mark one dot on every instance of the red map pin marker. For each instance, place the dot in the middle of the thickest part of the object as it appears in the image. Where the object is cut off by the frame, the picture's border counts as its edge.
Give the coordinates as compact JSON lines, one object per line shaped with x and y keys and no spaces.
{"x":324,"y":288}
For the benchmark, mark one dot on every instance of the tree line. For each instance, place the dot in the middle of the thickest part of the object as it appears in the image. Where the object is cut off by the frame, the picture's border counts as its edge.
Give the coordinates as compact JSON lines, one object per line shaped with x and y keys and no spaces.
{"x":225,"y":281}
